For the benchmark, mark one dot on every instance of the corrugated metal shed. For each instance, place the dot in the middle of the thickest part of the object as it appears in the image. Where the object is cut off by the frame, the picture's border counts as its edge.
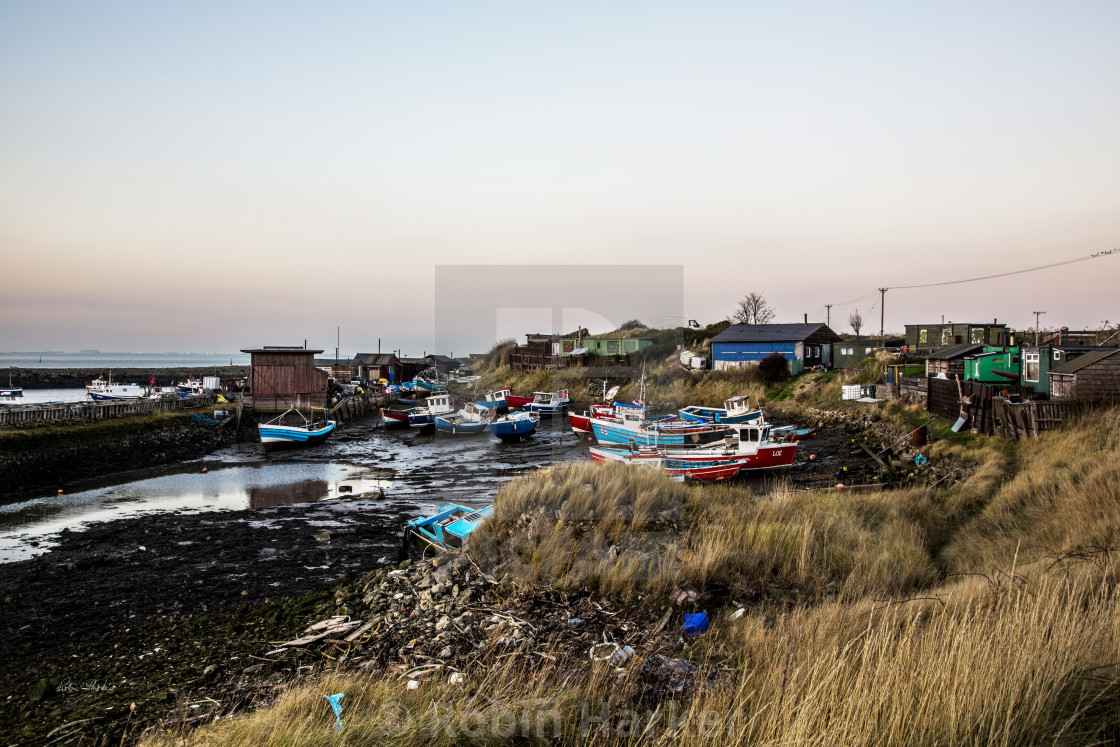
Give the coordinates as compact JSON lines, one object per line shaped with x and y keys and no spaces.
{"x":776,"y":333}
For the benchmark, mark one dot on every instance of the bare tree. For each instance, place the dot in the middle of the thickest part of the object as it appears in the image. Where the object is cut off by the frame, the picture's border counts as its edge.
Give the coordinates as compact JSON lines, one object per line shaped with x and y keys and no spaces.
{"x":753,"y":309}
{"x":856,"y":321}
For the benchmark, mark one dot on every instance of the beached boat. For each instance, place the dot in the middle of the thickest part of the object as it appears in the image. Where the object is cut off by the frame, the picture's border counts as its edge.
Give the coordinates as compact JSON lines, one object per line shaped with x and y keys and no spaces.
{"x":514,"y":400}
{"x":748,"y":446}
{"x":690,"y":466}
{"x":496,"y":399}
{"x":581,"y":422}
{"x":424,"y":417}
{"x":735,"y":410}
{"x":472,"y":418}
{"x":191,"y":387}
{"x":430,"y":380}
{"x":394,"y":417}
{"x":448,"y":528}
{"x":515,"y":426}
{"x":793,"y":434}
{"x":310,"y":432}
{"x":548,"y":403}
{"x":629,"y":426}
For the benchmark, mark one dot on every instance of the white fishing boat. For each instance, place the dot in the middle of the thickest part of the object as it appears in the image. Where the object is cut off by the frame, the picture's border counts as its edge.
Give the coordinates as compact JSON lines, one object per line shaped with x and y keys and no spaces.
{"x":309,"y":432}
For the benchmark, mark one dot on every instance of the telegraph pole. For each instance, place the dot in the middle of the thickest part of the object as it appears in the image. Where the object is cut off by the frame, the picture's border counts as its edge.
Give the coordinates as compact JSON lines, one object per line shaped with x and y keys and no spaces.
{"x":828,"y":315}
{"x":882,"y":308}
{"x":1037,"y":314}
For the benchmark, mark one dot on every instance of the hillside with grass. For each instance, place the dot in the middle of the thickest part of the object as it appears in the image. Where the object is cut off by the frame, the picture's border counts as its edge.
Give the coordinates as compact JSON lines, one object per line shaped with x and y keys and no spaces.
{"x":981,"y":611}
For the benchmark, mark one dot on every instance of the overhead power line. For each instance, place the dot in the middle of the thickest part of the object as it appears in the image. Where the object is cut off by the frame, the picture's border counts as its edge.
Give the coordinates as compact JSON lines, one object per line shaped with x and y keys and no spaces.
{"x":1007,"y":274}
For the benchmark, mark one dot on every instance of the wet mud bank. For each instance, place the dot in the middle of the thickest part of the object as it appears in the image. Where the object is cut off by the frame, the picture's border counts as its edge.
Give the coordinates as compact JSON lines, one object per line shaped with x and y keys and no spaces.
{"x":67,"y":378}
{"x":53,"y":456}
{"x":168,"y":611}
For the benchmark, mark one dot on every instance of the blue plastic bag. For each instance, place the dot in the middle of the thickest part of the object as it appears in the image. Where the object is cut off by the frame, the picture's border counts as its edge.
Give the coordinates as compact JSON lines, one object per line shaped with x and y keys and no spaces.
{"x":695,"y":624}
{"x":336,"y":706}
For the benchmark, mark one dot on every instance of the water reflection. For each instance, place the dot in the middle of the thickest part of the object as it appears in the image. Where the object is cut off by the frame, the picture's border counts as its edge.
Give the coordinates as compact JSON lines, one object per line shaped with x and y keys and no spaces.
{"x":304,"y":491}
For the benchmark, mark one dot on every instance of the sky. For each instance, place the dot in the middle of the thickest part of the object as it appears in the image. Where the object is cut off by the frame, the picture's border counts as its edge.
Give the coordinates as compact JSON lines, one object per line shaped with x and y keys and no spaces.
{"x":214,"y":176}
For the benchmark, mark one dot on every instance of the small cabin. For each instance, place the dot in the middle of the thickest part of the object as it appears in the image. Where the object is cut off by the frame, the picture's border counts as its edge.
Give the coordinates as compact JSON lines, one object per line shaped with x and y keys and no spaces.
{"x":283,"y":377}
{"x":927,"y":338}
{"x":950,"y":361}
{"x":803,"y":345}
{"x":1092,"y":377}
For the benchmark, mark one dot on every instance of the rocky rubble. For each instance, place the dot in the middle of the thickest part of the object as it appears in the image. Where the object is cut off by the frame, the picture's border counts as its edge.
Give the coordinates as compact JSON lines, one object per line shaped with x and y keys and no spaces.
{"x":444,"y":618}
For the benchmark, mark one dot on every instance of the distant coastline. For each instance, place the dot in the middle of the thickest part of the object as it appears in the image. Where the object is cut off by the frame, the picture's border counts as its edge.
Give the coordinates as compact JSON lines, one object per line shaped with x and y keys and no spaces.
{"x":97,"y":360}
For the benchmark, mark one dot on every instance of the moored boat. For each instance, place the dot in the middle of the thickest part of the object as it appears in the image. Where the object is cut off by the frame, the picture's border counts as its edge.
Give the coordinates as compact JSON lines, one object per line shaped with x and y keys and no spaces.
{"x":734,"y":410}
{"x":515,"y":426}
{"x":424,"y":417}
{"x":628,"y":430}
{"x":496,"y":399}
{"x":514,"y":400}
{"x":311,"y":432}
{"x":448,"y":528}
{"x":11,"y":393}
{"x":549,"y":403}
{"x":691,"y":466}
{"x":102,"y":390}
{"x":394,"y":417}
{"x":472,"y":418}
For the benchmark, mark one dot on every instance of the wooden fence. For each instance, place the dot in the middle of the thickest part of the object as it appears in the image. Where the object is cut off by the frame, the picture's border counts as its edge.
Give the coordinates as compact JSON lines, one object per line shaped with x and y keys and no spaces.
{"x":16,"y":414}
{"x":914,"y":386}
{"x":1028,"y":419}
{"x":945,"y":402}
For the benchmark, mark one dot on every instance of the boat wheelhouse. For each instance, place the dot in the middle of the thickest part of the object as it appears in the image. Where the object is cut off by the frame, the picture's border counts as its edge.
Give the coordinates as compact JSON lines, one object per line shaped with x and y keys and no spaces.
{"x":437,"y":404}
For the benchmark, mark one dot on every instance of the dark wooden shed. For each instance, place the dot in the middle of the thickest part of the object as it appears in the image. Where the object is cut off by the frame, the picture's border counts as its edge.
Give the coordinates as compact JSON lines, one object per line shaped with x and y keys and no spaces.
{"x":374,"y":366}
{"x":950,"y":360}
{"x":282,"y":377}
{"x":1090,"y":377}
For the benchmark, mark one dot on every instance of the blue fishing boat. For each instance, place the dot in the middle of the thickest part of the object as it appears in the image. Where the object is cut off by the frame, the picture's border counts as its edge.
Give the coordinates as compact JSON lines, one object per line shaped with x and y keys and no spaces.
{"x":548,"y":403}
{"x":735,"y":410}
{"x":656,"y":433}
{"x":515,"y":426}
{"x":311,"y":432}
{"x":424,"y":417}
{"x":473,"y":418}
{"x":496,"y":400}
{"x":447,"y":528}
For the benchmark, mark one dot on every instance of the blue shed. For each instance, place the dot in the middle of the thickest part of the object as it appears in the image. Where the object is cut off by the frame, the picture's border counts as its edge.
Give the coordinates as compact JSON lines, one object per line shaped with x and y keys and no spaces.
{"x":803,"y":345}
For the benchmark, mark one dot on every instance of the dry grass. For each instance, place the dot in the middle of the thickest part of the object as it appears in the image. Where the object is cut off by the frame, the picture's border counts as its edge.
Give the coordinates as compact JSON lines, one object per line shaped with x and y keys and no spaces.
{"x":985,"y":613}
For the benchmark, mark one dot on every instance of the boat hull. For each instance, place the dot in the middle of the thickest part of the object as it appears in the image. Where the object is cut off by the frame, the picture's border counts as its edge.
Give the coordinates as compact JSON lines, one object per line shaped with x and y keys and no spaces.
{"x":549,"y":410}
{"x":711,"y":469}
{"x":613,"y":433}
{"x":287,"y":435}
{"x":514,"y":429}
{"x":456,"y":427}
{"x":512,"y":400}
{"x":394,"y":418}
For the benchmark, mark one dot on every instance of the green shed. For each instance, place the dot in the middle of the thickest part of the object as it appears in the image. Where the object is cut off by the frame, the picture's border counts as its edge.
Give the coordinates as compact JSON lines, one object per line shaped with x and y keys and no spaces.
{"x":993,"y":366}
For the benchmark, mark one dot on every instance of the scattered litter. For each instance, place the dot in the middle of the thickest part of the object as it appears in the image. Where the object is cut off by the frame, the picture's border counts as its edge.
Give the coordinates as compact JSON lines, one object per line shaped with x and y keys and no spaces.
{"x":603,"y":651}
{"x":738,"y":613}
{"x":695,"y":624}
{"x":457,"y":678}
{"x":413,"y":685}
{"x":920,"y":459}
{"x":680,"y":597}
{"x":336,"y":706}
{"x":575,"y":622}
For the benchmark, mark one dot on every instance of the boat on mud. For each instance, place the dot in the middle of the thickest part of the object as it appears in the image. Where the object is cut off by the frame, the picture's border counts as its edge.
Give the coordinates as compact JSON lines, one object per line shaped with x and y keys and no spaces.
{"x":471,"y":419}
{"x":548,"y":403}
{"x":734,"y":410}
{"x":515,"y":426}
{"x":496,"y":400}
{"x":581,"y":422}
{"x":308,"y":433}
{"x":425,"y":416}
{"x":628,"y":428}
{"x":395,"y":417}
{"x":748,"y":447}
{"x":792,"y":433}
{"x":448,"y":528}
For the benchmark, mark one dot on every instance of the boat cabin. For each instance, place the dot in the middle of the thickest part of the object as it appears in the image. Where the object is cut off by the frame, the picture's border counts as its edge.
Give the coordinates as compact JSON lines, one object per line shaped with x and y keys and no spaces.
{"x":448,"y":527}
{"x":438,"y":403}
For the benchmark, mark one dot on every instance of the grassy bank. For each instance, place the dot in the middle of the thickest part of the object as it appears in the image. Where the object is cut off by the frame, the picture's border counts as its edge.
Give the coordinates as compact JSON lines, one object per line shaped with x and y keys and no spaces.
{"x":984,"y":612}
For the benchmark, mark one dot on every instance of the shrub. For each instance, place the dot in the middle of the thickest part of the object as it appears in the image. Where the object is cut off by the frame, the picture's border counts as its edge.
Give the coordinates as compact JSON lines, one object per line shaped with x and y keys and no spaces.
{"x":774,"y":368}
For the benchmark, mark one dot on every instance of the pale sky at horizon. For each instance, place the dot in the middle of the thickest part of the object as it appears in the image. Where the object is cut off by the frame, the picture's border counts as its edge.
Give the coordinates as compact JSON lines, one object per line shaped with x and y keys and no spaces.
{"x":219,"y":176}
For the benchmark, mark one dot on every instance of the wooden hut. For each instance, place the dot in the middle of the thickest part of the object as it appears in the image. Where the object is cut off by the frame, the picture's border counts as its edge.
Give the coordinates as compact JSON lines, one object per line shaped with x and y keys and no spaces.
{"x":950,"y":360}
{"x":1090,"y":377}
{"x":282,"y":377}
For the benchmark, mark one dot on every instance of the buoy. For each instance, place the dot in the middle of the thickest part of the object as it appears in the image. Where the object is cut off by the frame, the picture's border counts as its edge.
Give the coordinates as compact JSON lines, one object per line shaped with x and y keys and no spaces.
{"x":60,"y":492}
{"x":203,"y":469}
{"x":839,"y":484}
{"x":812,"y":457}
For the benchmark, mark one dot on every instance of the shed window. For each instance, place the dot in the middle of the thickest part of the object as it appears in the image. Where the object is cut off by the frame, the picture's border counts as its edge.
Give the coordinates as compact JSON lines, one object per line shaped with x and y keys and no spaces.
{"x":1031,"y":366}
{"x":923,"y":336}
{"x":1057,"y":355}
{"x":978,"y":335}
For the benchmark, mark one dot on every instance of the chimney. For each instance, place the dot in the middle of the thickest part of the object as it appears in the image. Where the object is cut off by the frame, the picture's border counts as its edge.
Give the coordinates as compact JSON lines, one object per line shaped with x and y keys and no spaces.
{"x":806,"y":318}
